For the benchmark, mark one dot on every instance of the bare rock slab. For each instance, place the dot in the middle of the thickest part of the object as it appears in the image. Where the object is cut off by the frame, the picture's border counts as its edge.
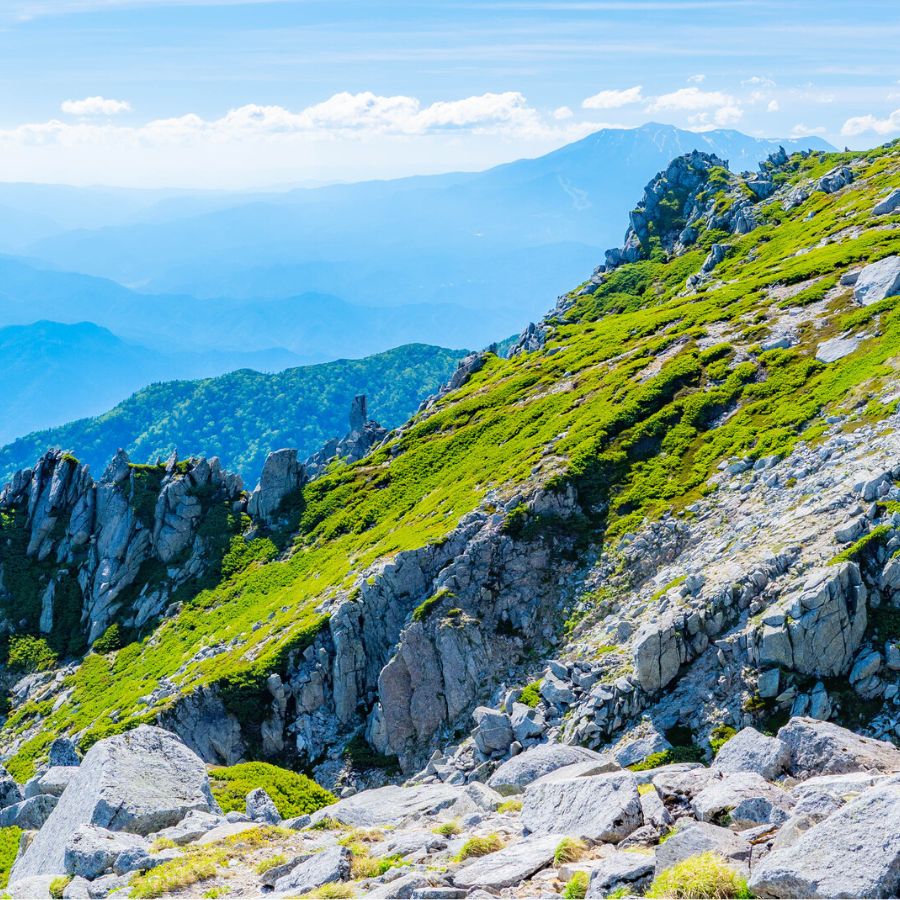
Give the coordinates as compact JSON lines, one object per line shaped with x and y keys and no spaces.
{"x":330,"y":865}
{"x":853,"y":853}
{"x":750,"y":751}
{"x":598,"y":807}
{"x":141,"y":781}
{"x":517,"y":773}
{"x":823,"y":748}
{"x":509,"y":866}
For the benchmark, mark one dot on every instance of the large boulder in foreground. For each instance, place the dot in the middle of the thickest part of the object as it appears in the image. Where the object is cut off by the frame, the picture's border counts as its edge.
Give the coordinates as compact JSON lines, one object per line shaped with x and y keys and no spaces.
{"x":878,"y":280}
{"x":520,"y":771}
{"x":750,"y":751}
{"x":823,"y":748}
{"x":139,"y":782}
{"x":853,"y":853}
{"x":599,"y":807}
{"x":509,"y":866}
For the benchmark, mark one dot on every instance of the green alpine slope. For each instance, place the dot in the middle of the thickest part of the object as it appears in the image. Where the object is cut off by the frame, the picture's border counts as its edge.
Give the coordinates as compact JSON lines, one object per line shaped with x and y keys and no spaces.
{"x":642,"y":389}
{"x":242,"y":416}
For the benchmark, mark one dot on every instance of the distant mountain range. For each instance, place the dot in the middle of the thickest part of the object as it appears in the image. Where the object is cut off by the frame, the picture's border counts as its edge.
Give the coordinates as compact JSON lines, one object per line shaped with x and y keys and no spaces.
{"x":189,"y":284}
{"x":242,"y":416}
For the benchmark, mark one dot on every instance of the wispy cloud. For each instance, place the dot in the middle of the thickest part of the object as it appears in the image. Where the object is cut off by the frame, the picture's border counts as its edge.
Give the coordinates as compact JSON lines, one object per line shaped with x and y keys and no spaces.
{"x":95,"y":106}
{"x":613,"y":99}
{"x":802,"y":130}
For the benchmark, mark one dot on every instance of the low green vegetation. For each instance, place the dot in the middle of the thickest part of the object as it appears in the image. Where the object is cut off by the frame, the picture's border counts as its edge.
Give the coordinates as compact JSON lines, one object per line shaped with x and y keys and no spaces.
{"x":680,"y":754}
{"x":510,"y":806}
{"x":10,"y":838}
{"x":719,"y":736}
{"x":568,"y":850}
{"x":706,"y":875}
{"x":531,"y":694}
{"x":109,"y":641}
{"x":30,"y":654}
{"x":293,"y":794}
{"x":480,"y":845}
{"x":448,"y":829}
{"x":427,"y":606}
{"x":866,"y":543}
{"x":576,"y":887}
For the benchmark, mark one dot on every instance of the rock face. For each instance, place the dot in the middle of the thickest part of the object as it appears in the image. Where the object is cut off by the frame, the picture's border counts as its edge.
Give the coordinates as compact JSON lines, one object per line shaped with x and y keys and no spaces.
{"x":364,"y":434}
{"x":818,"y":632}
{"x":853,"y":853}
{"x":599,"y":807}
{"x":138,"y":782}
{"x":889,"y":204}
{"x":94,"y":539}
{"x":877,"y":281}
{"x":282,"y":477}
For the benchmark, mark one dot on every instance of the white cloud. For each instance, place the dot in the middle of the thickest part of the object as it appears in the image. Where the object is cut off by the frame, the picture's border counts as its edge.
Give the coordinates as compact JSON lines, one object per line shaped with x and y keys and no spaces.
{"x":801,"y":130}
{"x":758,"y":81}
{"x":728,"y":115}
{"x":95,"y":106}
{"x":699,"y":78}
{"x":773,"y":106}
{"x":613,"y":99}
{"x":690,"y":99}
{"x":861,"y":124}
{"x":561,"y":113}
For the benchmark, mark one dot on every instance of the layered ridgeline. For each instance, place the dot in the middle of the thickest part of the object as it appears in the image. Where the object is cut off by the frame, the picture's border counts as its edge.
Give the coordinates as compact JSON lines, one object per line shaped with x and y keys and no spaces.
{"x":242,"y":416}
{"x":670,"y":515}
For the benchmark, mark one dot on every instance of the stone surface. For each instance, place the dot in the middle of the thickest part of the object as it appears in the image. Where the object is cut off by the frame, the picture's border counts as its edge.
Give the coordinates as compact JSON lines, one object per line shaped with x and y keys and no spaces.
{"x":261,"y":807}
{"x":513,"y":776}
{"x":509,"y":866}
{"x":598,"y":807}
{"x":823,"y":748}
{"x":282,"y":476}
{"x":140,"y":781}
{"x":30,"y":813}
{"x":330,"y":865}
{"x":878,"y":280}
{"x":703,"y":837}
{"x":889,"y":204}
{"x":621,"y":870}
{"x":391,"y":804}
{"x":743,"y":800}
{"x":55,"y":780}
{"x":853,"y":853}
{"x":91,"y":851}
{"x":750,"y":751}
{"x":63,"y":753}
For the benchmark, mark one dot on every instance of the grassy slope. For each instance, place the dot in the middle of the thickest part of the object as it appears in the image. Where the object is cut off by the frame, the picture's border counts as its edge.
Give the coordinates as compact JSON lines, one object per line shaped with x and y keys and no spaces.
{"x":242,"y":416}
{"x":634,"y":440}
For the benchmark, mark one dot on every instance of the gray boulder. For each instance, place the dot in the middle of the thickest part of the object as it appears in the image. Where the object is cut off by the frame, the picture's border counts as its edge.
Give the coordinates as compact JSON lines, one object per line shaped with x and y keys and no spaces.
{"x":878,"y":280}
{"x":509,"y":866}
{"x":750,"y":751}
{"x":390,"y":805}
{"x":526,"y":722}
{"x":140,"y":782}
{"x":192,"y":827}
{"x":493,"y":733}
{"x":261,"y":807}
{"x":743,"y":799}
{"x":330,"y":865}
{"x":513,"y":776}
{"x":889,"y":204}
{"x":63,"y":753}
{"x":853,"y":853}
{"x":31,"y":888}
{"x":30,"y":813}
{"x":91,"y":851}
{"x":10,"y":792}
{"x":703,"y":837}
{"x":822,"y":748}
{"x":621,"y":870}
{"x":53,"y":781}
{"x":598,"y":807}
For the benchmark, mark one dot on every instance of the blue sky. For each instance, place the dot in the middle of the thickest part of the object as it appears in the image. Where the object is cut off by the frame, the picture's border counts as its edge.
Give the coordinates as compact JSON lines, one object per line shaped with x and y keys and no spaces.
{"x":230,"y":93}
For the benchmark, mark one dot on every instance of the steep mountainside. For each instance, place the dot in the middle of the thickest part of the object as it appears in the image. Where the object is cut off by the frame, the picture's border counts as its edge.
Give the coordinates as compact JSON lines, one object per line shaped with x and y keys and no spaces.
{"x":242,"y":416}
{"x":671,"y":514}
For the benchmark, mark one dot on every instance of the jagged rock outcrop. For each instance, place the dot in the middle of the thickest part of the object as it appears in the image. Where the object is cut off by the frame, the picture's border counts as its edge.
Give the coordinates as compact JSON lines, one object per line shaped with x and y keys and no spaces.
{"x":364,"y":434}
{"x":92,"y":547}
{"x":283,"y":475}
